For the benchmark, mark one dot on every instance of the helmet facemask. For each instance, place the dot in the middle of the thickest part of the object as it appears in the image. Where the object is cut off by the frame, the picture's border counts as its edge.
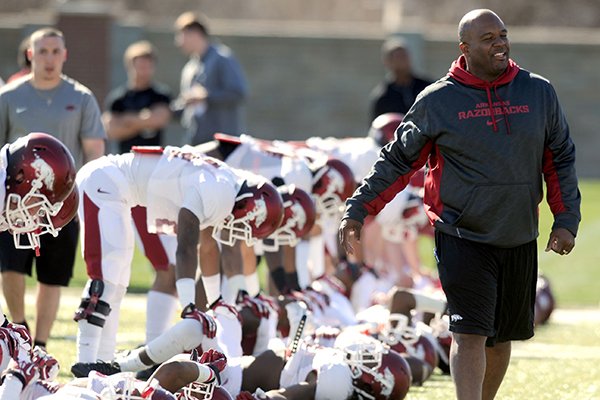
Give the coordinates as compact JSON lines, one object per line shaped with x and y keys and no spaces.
{"x":232,"y":229}
{"x":197,"y":390}
{"x":397,"y":330}
{"x":30,"y":216}
{"x":126,"y":389}
{"x":365,"y":360}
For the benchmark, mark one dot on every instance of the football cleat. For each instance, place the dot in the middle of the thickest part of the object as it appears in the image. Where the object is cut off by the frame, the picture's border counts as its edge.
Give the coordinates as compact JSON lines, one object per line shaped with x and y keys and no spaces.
{"x":81,"y":370}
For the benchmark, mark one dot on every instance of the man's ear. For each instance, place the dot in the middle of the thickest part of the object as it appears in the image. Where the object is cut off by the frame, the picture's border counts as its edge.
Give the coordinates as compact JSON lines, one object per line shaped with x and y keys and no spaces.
{"x":29,"y":53}
{"x":464,"y":47}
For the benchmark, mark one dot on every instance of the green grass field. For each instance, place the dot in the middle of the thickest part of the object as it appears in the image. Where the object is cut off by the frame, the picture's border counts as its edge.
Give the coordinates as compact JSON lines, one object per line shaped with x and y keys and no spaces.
{"x":561,"y":362}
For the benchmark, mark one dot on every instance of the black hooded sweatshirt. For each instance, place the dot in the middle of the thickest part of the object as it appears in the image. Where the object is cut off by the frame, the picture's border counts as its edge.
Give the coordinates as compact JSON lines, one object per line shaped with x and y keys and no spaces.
{"x":487,"y":146}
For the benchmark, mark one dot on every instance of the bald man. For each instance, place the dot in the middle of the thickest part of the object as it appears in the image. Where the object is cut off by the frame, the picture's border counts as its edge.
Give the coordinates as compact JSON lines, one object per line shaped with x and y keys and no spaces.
{"x":489,"y":131}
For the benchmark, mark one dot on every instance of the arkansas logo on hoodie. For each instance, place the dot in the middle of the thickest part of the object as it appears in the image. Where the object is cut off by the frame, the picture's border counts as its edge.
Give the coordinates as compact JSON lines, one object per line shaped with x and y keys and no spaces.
{"x":493,"y":108}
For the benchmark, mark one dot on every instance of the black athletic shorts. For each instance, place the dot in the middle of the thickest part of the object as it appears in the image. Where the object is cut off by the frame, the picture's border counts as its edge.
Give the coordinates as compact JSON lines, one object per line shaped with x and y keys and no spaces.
{"x":54,"y":266}
{"x":490,"y":290}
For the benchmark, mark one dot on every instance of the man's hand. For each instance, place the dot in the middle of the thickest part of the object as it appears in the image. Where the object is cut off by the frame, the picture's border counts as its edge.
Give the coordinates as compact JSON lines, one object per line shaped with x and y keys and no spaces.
{"x":561,"y":241}
{"x":349,"y":235}
{"x":209,"y":326}
{"x":216,"y":361}
{"x":47,"y":365}
{"x":195,"y":95}
{"x":260,"y":309}
{"x":18,"y":341}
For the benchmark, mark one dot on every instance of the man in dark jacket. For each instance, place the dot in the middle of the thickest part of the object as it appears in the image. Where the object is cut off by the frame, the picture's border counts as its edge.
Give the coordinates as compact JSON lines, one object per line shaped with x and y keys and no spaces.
{"x":400,"y":88}
{"x":213,"y":86}
{"x":489,"y":131}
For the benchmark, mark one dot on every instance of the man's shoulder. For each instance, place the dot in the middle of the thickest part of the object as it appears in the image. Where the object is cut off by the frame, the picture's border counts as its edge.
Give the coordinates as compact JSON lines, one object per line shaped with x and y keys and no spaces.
{"x":438,"y":88}
{"x":421,"y":82}
{"x":221,"y":50}
{"x":16,"y":86}
{"x":76,"y":86}
{"x":526,"y":75}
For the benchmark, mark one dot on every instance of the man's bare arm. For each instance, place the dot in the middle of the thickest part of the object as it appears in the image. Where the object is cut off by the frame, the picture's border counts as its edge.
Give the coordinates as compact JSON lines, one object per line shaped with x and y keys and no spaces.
{"x":92,"y":148}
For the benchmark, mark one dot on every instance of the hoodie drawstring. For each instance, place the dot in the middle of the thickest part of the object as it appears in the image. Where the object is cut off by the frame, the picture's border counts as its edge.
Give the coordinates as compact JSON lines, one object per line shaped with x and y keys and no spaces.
{"x":503,"y":113}
{"x":491,"y":106}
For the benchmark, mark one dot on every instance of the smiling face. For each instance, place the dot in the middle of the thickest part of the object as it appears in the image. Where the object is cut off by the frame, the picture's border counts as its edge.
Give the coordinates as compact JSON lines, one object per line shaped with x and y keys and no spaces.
{"x":485,"y":44}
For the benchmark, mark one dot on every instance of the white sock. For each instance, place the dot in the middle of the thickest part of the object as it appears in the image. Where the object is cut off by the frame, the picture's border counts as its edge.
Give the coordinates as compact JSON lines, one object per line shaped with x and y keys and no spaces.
{"x":205,"y":374}
{"x":11,"y":388}
{"x":132,"y":361}
{"x":316,"y":255}
{"x":88,"y":340}
{"x":252,"y":284}
{"x":113,"y":295}
{"x":160,"y":308}
{"x":212,"y":287}
{"x":234,"y":284}
{"x":186,"y":291}
{"x":185,"y":335}
{"x":302,"y":260}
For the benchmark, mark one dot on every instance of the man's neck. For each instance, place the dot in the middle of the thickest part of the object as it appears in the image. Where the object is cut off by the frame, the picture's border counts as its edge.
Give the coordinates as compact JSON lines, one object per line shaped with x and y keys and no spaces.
{"x":403,"y":79}
{"x":139,"y":85}
{"x":45,"y":84}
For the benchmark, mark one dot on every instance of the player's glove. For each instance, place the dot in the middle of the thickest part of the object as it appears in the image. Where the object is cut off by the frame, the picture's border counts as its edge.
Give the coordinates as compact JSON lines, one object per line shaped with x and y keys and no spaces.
{"x":216,"y":361}
{"x":223,"y":308}
{"x":257,"y":306}
{"x":269,"y":301}
{"x":47,"y":365}
{"x":24,"y":370}
{"x":18,"y":340}
{"x":209,"y":326}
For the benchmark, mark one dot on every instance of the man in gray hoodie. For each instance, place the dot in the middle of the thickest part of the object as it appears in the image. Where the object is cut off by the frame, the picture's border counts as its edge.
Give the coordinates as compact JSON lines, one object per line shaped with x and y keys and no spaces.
{"x":489,"y":132}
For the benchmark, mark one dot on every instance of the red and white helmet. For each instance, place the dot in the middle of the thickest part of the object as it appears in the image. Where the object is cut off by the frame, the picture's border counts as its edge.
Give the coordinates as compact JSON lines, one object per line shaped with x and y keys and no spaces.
{"x":203,"y":391}
{"x":257,"y":213}
{"x":406,"y":339}
{"x":384,"y":127}
{"x":40,"y":174}
{"x":333,"y":183}
{"x":299,"y":214}
{"x":544,"y":300}
{"x":378,"y":372}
